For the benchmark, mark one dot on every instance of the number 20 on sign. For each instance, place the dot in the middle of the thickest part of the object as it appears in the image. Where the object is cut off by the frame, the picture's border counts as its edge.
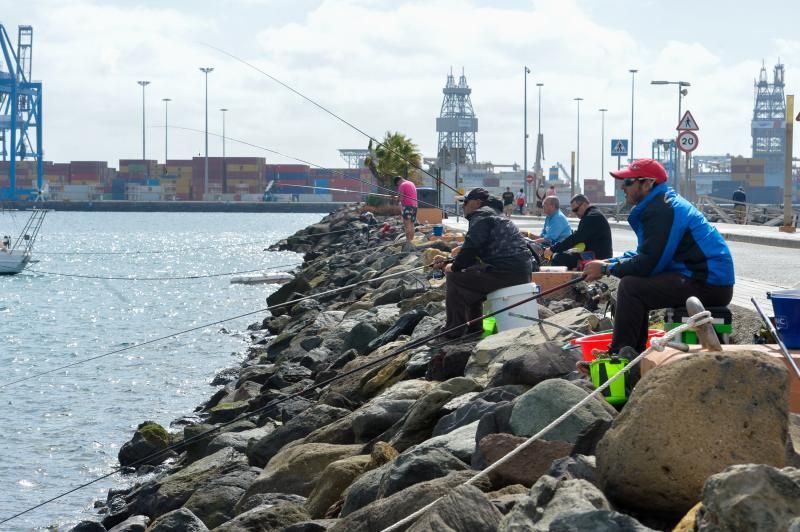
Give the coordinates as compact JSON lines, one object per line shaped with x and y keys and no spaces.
{"x":687,"y":141}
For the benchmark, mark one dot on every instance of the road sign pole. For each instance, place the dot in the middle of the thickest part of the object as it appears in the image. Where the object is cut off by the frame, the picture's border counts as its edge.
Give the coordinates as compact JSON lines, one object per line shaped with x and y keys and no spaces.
{"x":687,"y":172}
{"x":787,"y":179}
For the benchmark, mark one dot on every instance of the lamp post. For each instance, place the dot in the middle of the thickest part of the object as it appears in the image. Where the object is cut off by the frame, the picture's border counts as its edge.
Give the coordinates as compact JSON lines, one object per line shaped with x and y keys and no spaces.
{"x":578,"y":150}
{"x":603,"y":148}
{"x":224,"y":164}
{"x":206,"y":70}
{"x":144,"y":158}
{"x":539,"y":148}
{"x":682,"y":91}
{"x":633,"y":72}
{"x":525,"y":156}
{"x":166,"y":132}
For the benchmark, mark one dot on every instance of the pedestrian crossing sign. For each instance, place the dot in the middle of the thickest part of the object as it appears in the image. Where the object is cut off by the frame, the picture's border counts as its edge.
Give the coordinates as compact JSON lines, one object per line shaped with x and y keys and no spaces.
{"x":687,"y":123}
{"x":619,"y":147}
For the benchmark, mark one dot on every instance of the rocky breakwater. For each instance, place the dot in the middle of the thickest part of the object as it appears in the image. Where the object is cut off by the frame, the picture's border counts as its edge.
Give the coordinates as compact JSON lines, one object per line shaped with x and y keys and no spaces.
{"x":702,"y":441}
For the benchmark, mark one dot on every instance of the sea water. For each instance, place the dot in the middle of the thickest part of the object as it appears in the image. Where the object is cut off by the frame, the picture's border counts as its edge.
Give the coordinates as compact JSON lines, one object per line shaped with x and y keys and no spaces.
{"x":78,"y":301}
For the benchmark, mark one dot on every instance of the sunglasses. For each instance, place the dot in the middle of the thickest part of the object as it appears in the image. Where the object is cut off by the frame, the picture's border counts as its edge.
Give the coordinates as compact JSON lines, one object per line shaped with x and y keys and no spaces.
{"x":628,"y":181}
{"x":576,"y":209}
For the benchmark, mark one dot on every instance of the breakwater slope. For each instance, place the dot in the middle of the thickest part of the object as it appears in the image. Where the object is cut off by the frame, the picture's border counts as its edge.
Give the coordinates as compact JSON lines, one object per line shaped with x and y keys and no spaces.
{"x":333,"y":423}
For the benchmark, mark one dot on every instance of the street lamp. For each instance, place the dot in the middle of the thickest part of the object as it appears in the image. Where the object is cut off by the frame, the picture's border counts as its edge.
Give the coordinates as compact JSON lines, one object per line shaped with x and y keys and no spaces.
{"x":682,"y":91}
{"x":525,"y":156}
{"x":578,"y":151}
{"x":603,"y":148}
{"x":224,"y":164}
{"x":633,"y":72}
{"x":166,"y":132}
{"x":539,"y":146}
{"x":144,"y":159}
{"x":206,"y":70}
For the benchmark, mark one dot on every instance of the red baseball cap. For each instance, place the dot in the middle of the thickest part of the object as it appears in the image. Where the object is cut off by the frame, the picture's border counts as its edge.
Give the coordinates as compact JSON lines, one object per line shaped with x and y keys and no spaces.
{"x":643,"y":168}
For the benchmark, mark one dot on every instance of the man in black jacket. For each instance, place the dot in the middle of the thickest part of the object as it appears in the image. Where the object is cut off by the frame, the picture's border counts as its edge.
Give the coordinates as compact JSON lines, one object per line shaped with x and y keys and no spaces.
{"x":494,"y":256}
{"x":593,"y":232}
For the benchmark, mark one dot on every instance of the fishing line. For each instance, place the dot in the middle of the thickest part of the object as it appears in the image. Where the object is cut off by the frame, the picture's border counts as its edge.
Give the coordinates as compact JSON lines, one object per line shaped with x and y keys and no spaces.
{"x":394,"y":352}
{"x":331,"y":113}
{"x":166,"y":337}
{"x":188,"y":277}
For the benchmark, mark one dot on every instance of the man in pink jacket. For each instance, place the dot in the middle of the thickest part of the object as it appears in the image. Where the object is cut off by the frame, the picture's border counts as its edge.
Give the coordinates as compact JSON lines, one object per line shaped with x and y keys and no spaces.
{"x":408,"y":203}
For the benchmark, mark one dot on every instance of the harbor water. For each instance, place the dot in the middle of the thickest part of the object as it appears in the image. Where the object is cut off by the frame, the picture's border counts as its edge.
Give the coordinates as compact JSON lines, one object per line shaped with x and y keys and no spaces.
{"x":64,"y":429}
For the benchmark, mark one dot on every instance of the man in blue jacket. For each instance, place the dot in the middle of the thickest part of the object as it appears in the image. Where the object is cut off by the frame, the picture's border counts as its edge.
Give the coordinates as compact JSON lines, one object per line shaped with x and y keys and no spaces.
{"x":678,"y":255}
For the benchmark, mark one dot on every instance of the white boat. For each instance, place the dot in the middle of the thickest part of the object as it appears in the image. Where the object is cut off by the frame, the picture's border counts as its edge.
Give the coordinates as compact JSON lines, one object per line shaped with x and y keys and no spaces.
{"x":15,"y":253}
{"x":263,"y":278}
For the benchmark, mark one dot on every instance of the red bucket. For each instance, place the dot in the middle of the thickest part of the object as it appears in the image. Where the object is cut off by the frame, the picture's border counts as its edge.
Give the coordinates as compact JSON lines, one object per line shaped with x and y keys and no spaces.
{"x":603,"y":340}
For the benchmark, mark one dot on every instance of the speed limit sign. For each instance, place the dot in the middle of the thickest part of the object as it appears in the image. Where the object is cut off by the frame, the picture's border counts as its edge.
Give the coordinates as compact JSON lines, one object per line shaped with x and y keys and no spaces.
{"x":687,"y":141}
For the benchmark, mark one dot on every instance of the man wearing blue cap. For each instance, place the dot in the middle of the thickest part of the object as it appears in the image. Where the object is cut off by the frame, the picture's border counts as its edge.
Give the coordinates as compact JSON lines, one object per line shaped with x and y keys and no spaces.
{"x":678,"y":255}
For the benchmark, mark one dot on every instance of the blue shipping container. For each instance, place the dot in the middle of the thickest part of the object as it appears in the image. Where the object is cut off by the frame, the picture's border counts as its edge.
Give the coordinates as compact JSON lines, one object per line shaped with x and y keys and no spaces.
{"x":324,"y":184}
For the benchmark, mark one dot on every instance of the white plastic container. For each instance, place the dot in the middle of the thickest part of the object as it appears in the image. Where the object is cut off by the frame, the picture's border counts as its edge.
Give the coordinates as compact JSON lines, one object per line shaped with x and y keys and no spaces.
{"x":508,"y":296}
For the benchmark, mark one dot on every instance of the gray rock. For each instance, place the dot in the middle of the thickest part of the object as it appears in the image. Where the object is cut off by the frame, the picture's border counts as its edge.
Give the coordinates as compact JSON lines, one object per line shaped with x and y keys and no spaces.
{"x":334,"y":480}
{"x":465,"y":509}
{"x":737,"y":412}
{"x":136,"y":523}
{"x":385,"y":512}
{"x":147,"y":447}
{"x":544,"y":361}
{"x":316,"y":525}
{"x":418,"y":364}
{"x":239,"y":440}
{"x":180,"y":520}
{"x":597,"y":521}
{"x":292,"y":408}
{"x":360,"y":337}
{"x":459,"y":442}
{"x":266,"y":519}
{"x":213,"y":503}
{"x":550,"y":499}
{"x":246,"y":504}
{"x":258,"y":373}
{"x":574,"y":467}
{"x":418,"y":465}
{"x":751,"y":497}
{"x":545,"y":402}
{"x":363,"y":491}
{"x":260,"y":452}
{"x":493,"y":422}
{"x":288,"y":374}
{"x":469,"y":413}
{"x":318,"y":358}
{"x":376,"y":417}
{"x":426,"y":327}
{"x":310,"y":342}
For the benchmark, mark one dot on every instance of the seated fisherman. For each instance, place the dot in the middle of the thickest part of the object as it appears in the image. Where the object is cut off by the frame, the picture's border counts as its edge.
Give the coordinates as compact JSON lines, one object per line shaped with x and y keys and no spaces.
{"x":679,"y":254}
{"x":556,"y":226}
{"x":494,"y":256}
{"x":593,"y":233}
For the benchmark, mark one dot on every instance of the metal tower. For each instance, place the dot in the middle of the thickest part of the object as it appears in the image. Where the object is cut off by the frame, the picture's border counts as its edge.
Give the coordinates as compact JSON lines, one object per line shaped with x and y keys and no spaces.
{"x":769,"y":126}
{"x":20,"y":109}
{"x":456,"y":124}
{"x":354,"y":157}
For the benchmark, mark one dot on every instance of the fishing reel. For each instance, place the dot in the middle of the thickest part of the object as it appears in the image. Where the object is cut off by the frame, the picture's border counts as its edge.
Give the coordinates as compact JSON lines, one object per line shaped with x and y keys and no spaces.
{"x":595,"y":294}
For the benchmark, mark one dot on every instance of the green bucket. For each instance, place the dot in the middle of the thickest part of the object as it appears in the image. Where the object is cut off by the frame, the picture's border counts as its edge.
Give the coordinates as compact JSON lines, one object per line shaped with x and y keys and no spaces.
{"x":601,"y":370}
{"x":489,"y":327}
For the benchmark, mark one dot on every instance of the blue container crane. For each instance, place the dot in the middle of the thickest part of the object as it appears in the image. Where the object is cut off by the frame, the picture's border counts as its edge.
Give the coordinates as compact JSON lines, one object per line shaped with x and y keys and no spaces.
{"x":20,"y":111}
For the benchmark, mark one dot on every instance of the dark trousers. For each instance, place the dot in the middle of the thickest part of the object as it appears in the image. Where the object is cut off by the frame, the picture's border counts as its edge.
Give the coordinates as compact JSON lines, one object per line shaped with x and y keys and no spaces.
{"x":570,"y":260}
{"x":636,"y":296}
{"x":467,"y":290}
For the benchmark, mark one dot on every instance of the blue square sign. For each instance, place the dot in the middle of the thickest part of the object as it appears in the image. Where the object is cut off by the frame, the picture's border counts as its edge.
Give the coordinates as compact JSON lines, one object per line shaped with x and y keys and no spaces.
{"x":619,"y":147}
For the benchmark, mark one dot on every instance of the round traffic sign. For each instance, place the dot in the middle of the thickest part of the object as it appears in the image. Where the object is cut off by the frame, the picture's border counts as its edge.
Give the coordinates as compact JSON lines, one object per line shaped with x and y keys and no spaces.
{"x":688,"y":141}
{"x":529,"y":179}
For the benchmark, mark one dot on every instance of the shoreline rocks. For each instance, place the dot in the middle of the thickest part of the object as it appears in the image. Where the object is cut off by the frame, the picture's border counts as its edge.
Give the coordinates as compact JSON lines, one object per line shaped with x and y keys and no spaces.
{"x":380,"y":432}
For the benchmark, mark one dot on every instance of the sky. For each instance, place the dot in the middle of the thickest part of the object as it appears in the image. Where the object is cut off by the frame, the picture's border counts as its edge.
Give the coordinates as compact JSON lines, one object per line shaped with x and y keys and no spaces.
{"x":380,"y":65}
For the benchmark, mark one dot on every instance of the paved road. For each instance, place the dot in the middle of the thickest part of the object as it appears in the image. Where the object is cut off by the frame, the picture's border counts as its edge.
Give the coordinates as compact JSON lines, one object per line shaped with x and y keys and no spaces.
{"x":770,"y":264}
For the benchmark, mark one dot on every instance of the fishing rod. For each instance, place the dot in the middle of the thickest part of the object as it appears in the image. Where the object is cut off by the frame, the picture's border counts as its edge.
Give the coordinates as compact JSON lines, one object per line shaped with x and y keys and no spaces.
{"x":314,"y":387}
{"x":278,"y":183}
{"x":331,"y":113}
{"x":394,"y":193}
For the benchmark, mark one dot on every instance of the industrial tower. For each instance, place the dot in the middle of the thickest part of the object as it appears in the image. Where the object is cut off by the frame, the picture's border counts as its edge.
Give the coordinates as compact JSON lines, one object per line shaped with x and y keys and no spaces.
{"x":769,"y":125}
{"x":456,"y":124}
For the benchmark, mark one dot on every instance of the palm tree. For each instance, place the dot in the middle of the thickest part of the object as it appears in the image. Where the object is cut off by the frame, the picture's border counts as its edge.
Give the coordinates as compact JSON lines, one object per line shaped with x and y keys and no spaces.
{"x":395,"y":155}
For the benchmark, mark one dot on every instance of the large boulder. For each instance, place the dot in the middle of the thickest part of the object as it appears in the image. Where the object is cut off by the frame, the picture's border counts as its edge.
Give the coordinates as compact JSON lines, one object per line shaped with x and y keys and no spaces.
{"x":597,"y":520}
{"x":136,"y":523}
{"x":363,"y":491}
{"x":296,"y":469}
{"x":334,"y":480}
{"x":261,"y":451}
{"x":459,"y":442}
{"x":545,"y":402}
{"x":415,"y":466}
{"x":690,"y":419}
{"x":465,"y":509}
{"x":214,"y":502}
{"x":752,"y":498}
{"x":545,"y":361}
{"x":180,"y":520}
{"x":550,"y":499}
{"x":493,"y":351}
{"x":147,"y":447}
{"x":267,"y":518}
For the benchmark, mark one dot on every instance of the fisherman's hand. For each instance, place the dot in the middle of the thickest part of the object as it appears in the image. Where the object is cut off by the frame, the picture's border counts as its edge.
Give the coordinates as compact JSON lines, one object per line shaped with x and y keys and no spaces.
{"x":438,"y":263}
{"x":448,"y":268}
{"x":455,"y":251}
{"x":594,"y":270}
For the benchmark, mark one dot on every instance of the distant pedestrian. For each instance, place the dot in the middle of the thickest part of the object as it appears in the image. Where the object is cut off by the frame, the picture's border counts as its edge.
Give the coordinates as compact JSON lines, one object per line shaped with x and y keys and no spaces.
{"x":521,"y":200}
{"x":508,"y":202}
{"x":740,"y":205}
{"x":551,"y":191}
{"x":408,"y":202}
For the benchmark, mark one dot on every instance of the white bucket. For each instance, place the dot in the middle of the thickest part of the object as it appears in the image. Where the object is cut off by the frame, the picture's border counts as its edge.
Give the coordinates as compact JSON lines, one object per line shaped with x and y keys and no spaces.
{"x":508,"y":296}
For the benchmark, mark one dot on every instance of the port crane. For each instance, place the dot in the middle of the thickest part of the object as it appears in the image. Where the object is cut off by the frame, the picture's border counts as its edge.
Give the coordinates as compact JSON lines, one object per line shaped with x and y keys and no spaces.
{"x":20,"y":111}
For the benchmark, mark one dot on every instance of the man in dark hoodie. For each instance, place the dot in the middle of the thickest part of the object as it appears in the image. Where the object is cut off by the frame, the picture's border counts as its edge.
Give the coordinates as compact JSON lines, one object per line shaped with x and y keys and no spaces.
{"x":494,"y":256}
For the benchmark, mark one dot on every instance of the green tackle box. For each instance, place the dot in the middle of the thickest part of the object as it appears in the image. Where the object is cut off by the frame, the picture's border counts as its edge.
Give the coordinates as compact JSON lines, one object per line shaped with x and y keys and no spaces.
{"x":722,"y":319}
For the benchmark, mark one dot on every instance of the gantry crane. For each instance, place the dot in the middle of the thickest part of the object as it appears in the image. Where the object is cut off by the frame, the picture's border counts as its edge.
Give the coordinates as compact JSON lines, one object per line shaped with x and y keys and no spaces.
{"x":20,"y":111}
